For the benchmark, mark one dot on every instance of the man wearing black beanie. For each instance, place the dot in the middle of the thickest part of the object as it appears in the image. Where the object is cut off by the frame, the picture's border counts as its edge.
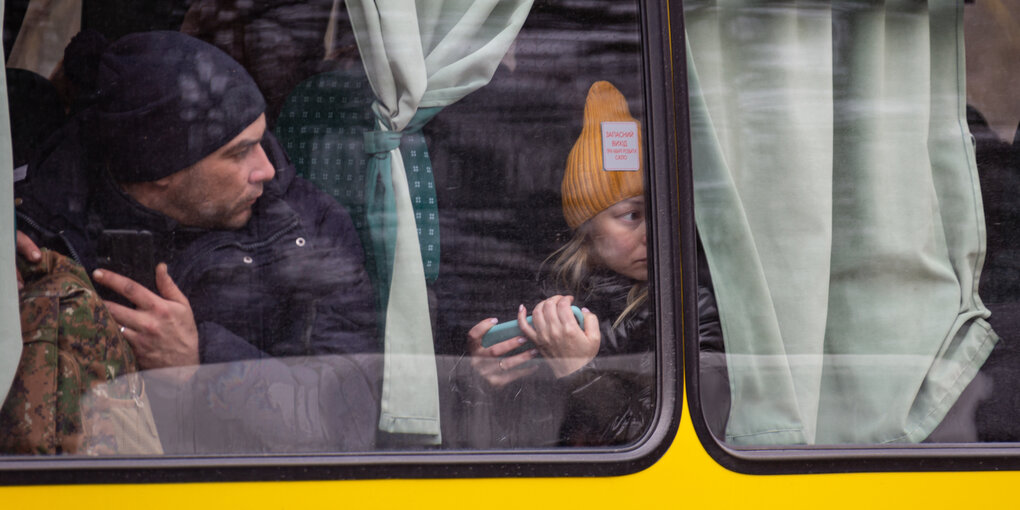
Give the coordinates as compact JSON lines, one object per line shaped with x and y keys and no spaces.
{"x":169,"y":145}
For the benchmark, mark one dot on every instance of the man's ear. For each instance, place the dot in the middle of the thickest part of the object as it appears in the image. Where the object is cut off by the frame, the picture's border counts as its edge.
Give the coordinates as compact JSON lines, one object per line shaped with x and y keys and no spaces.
{"x":163,"y":183}
{"x":149,"y":194}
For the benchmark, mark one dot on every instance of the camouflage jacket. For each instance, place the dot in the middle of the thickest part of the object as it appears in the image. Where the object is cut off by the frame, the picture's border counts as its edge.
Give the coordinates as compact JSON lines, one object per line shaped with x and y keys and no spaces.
{"x":71,"y":345}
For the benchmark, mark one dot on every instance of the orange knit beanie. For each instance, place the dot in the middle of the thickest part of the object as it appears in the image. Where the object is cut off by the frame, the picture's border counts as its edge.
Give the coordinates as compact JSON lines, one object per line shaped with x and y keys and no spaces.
{"x":596,"y":178}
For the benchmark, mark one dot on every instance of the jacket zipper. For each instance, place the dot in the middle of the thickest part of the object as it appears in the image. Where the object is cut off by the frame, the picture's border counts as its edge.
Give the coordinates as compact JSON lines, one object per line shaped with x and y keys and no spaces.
{"x":70,"y":248}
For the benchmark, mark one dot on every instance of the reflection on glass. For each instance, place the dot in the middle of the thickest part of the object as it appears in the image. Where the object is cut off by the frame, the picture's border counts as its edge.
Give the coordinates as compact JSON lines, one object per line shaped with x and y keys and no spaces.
{"x":577,"y":354}
{"x":840,"y":202}
{"x":275,"y":257}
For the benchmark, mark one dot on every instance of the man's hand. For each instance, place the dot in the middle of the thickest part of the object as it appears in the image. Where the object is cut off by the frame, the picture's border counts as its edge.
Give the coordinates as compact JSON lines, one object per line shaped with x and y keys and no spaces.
{"x":564,"y":344}
{"x":26,"y":248}
{"x":489,"y":363}
{"x":160,"y":329}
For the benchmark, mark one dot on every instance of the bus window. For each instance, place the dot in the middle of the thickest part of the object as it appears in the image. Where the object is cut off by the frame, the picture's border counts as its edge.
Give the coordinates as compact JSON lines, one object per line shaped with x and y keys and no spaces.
{"x":303,"y":219}
{"x":852,"y":173}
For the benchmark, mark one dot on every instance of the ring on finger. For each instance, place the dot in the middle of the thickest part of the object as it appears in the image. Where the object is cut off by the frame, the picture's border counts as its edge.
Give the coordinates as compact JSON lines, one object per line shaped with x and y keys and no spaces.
{"x":501,"y":367}
{"x":122,"y":328}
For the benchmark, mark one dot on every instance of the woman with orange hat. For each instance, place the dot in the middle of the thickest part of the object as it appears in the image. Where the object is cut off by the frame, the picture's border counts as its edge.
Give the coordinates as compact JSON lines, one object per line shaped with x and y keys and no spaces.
{"x":603,"y":267}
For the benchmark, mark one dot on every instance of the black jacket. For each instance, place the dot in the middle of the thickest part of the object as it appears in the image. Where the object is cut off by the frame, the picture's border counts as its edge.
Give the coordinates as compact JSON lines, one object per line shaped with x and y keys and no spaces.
{"x":291,"y":282}
{"x":611,"y":401}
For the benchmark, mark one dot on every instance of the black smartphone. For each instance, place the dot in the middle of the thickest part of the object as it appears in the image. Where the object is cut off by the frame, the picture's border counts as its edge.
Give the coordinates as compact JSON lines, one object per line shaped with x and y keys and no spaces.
{"x":131,"y":253}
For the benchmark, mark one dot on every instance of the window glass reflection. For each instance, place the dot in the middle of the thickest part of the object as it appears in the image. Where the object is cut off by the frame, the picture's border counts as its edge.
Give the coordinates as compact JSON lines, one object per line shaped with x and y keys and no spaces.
{"x":844,"y":216}
{"x":295,"y":220}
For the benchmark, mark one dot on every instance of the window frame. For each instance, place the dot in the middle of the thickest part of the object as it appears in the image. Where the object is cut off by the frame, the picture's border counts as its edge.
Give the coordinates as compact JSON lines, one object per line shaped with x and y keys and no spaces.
{"x":824,"y":459}
{"x":670,"y":209}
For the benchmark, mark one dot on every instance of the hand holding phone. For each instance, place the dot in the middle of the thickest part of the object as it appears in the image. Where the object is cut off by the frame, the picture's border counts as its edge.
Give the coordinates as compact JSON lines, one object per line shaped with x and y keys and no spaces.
{"x":130,"y":253}
{"x":565,"y":347}
{"x":507,"y":330}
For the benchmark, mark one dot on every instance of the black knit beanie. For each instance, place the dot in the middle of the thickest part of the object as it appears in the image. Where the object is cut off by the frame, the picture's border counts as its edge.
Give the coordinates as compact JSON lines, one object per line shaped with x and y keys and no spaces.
{"x":158,"y":102}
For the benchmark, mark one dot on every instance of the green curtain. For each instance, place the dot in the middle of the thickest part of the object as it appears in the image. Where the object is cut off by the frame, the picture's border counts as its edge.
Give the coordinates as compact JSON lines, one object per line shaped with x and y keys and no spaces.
{"x":10,"y":318}
{"x":837,"y":198}
{"x":419,"y":56}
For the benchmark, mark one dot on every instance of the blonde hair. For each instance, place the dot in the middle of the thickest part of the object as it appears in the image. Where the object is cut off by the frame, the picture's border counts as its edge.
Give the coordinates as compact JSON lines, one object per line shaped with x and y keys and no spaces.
{"x":573,"y":264}
{"x":588,"y":189}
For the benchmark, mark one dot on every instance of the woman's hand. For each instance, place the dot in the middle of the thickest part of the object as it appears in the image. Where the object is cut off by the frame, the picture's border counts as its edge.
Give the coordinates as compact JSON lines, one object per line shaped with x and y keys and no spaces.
{"x":554,"y":330}
{"x":490,"y":363}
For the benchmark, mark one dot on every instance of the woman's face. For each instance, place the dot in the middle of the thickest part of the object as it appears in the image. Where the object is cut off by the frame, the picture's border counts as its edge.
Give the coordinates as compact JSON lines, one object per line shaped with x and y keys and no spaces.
{"x":618,"y":238}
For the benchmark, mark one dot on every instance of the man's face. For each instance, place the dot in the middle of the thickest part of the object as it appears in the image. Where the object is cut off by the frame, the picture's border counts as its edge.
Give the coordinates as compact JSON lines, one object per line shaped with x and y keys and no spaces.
{"x":218,"y":192}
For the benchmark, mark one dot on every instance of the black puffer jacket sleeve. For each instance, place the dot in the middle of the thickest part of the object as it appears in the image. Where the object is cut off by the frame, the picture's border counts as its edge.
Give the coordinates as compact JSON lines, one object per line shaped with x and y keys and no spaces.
{"x":609,"y":406}
{"x":611,"y":401}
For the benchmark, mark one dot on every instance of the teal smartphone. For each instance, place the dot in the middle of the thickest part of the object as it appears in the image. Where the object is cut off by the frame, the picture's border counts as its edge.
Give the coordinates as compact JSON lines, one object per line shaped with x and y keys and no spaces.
{"x":507,"y":330}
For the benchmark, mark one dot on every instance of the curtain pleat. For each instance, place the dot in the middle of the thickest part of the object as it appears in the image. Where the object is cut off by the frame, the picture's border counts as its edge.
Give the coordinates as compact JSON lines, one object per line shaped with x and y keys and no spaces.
{"x":836,"y":195}
{"x":10,"y":317}
{"x":419,"y":56}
